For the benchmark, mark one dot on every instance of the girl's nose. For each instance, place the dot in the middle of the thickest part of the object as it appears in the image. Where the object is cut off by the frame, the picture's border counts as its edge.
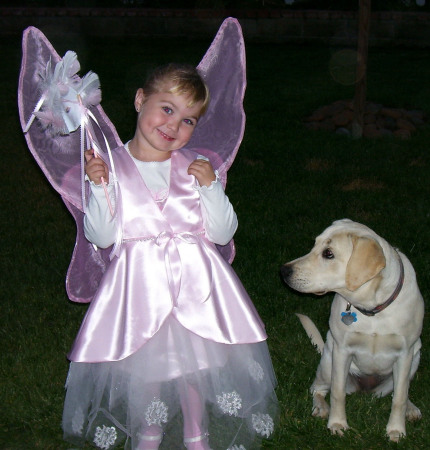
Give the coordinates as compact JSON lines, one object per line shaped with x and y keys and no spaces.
{"x":173,"y":124}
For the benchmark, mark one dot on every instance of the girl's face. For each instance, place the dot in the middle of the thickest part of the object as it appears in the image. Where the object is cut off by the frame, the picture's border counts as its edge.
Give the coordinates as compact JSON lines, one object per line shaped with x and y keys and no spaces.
{"x":165,"y":123}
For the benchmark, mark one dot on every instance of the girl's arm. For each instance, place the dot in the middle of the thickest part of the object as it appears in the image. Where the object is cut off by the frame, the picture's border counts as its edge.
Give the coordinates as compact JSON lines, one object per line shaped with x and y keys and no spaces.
{"x":218,"y":213}
{"x":99,"y":225}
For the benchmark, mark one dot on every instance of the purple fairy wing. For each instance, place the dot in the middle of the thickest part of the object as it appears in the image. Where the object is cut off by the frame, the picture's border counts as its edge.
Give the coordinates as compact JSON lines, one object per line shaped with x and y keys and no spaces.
{"x":220,"y":131}
{"x":55,"y":154}
{"x":59,"y":157}
{"x":87,"y":265}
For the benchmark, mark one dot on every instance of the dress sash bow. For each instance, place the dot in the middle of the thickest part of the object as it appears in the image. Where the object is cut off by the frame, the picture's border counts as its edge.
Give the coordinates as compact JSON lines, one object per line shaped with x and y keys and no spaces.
{"x":174,"y":264}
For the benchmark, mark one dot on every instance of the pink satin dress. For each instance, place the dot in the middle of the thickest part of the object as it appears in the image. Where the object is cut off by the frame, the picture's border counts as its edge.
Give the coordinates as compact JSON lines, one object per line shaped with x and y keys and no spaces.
{"x":169,"y":312}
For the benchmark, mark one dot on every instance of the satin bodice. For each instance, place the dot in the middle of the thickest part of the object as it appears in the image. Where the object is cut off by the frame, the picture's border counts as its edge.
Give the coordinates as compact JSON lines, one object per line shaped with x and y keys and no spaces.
{"x":142,"y":217}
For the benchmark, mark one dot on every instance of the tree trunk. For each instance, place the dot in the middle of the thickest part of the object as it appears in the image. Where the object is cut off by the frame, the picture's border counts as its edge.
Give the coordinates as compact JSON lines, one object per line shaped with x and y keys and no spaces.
{"x":359,"y":102}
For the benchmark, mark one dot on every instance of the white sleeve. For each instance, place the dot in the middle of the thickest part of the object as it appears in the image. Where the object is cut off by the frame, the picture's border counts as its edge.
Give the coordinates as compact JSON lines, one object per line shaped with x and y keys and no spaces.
{"x":218,"y":214}
{"x":99,"y":225}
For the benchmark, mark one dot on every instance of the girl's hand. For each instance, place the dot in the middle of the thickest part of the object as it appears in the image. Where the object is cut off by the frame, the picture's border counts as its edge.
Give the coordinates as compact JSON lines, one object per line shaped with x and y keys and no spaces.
{"x":95,"y":168}
{"x":203,"y":171}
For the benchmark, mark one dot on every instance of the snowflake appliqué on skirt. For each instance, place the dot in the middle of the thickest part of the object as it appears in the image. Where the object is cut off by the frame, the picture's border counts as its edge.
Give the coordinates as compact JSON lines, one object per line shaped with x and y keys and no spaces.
{"x":105,"y":437}
{"x":229,"y":402}
{"x":156,"y":413}
{"x":256,"y":371}
{"x":263,"y":424}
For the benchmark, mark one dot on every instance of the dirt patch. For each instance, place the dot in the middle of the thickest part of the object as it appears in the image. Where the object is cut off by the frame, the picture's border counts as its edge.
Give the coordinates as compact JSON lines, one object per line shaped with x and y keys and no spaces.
{"x":378,"y":121}
{"x":317,"y":165}
{"x":360,"y":184}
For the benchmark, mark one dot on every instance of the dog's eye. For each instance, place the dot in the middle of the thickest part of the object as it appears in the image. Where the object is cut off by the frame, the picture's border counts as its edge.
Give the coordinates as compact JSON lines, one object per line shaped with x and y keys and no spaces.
{"x":328,"y":254}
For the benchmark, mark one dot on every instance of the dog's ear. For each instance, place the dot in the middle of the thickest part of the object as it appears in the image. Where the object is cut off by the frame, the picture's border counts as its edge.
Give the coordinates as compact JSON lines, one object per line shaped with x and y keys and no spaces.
{"x":366,"y":261}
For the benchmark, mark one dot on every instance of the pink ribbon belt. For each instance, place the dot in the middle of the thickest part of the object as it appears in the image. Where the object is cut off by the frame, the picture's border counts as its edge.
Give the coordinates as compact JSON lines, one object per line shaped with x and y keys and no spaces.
{"x":173,"y":263}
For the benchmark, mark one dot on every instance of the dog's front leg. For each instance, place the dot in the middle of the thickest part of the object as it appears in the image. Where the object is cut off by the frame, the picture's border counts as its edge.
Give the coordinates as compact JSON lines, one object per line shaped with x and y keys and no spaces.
{"x":341,"y":363}
{"x":396,"y":427}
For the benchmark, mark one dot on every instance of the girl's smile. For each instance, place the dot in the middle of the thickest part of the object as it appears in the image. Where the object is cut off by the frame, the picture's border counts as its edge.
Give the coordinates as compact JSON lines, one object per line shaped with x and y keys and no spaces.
{"x":165,"y":123}
{"x":168,"y":138}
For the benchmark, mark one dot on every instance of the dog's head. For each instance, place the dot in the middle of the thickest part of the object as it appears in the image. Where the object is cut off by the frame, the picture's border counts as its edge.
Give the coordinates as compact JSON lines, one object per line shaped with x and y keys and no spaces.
{"x":345,"y":256}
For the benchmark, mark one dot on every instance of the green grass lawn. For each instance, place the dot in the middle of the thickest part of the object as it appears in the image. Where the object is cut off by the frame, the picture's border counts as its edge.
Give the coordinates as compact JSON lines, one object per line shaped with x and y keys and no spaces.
{"x":287,"y":184}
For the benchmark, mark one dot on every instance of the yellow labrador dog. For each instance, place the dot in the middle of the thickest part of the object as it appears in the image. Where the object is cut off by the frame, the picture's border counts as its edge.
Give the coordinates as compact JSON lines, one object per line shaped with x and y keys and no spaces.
{"x":375,"y":321}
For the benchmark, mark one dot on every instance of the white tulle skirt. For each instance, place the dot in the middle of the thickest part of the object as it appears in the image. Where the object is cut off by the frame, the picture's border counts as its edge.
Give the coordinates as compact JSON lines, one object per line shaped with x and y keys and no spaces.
{"x":177,"y":384}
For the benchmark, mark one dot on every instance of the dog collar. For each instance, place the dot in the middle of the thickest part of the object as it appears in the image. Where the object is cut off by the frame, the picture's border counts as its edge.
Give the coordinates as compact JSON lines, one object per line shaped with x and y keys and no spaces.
{"x":348,"y":317}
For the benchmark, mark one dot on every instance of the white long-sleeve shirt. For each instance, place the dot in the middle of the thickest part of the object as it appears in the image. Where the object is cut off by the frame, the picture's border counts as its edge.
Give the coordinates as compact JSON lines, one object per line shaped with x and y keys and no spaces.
{"x":219,"y":217}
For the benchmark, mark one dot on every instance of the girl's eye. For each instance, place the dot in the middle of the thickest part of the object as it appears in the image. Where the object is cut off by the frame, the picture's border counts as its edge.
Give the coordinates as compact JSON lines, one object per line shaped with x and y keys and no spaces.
{"x":327,"y":253}
{"x":189,"y":122}
{"x":167,"y":110}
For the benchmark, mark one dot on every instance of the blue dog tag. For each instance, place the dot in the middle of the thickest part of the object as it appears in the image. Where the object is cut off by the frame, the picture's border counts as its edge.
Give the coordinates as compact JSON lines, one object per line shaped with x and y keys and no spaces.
{"x":348,"y":317}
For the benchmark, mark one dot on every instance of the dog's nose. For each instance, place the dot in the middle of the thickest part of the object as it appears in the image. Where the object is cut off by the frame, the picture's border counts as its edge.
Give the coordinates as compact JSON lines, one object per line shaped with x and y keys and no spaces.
{"x":286,"y":272}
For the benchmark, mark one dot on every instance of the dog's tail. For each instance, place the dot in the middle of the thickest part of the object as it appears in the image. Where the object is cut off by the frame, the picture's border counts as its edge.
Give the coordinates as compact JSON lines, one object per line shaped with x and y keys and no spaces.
{"x":312,"y":332}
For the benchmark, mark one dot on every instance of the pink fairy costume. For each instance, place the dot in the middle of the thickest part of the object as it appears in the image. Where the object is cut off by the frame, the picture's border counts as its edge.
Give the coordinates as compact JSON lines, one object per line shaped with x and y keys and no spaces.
{"x":171,"y":345}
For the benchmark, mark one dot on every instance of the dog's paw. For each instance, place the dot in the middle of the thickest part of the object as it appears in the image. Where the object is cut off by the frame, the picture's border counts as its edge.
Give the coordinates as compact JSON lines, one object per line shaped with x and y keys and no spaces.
{"x":320,"y":407}
{"x":321,"y":411}
{"x":395,"y":435}
{"x":338,"y":428}
{"x":412,"y":412}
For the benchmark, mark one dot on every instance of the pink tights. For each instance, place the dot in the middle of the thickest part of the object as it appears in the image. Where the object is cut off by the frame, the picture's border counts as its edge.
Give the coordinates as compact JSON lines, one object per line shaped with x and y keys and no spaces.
{"x":151,"y":438}
{"x":193,"y":411}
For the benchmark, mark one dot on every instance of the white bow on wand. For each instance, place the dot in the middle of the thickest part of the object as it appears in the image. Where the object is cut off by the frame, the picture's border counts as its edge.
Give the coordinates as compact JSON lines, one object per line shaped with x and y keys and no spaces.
{"x":64,"y":107}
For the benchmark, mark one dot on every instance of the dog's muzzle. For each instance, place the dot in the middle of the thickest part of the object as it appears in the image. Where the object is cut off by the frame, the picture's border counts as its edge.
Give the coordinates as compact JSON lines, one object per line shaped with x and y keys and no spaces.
{"x":286,"y":272}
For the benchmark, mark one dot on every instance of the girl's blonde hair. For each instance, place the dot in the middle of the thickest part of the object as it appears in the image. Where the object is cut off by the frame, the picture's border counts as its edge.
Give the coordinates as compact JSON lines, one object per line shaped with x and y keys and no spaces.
{"x":178,"y":79}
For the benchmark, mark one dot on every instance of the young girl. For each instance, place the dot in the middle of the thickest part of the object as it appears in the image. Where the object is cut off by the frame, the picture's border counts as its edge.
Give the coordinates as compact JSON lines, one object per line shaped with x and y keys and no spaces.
{"x":171,"y":338}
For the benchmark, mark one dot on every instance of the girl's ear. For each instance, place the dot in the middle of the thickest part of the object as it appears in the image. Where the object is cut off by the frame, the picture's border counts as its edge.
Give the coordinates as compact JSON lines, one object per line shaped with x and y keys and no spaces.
{"x":139,"y":99}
